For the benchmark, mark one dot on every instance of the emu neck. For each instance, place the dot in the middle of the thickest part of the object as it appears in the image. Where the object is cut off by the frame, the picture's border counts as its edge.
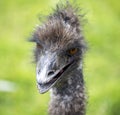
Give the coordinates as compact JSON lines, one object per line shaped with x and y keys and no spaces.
{"x":69,"y":98}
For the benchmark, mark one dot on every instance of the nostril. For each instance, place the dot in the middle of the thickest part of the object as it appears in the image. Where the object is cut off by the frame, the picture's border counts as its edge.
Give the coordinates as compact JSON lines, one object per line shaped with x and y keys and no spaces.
{"x":50,"y":73}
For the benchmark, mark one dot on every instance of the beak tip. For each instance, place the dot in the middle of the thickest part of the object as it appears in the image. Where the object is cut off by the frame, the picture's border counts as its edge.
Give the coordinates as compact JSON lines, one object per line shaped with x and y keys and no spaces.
{"x":42,"y":91}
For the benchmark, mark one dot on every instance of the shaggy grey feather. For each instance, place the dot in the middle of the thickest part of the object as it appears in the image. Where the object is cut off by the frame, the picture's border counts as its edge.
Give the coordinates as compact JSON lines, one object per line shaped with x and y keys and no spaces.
{"x":60,"y":46}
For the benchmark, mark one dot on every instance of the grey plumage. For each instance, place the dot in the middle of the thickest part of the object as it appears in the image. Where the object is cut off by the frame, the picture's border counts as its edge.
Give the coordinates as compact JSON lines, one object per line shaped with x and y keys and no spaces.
{"x":70,"y":98}
{"x":59,"y":53}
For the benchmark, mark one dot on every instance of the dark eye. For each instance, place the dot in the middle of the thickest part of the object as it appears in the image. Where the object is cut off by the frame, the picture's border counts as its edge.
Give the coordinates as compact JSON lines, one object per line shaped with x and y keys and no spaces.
{"x":38,"y":45}
{"x":73,"y":51}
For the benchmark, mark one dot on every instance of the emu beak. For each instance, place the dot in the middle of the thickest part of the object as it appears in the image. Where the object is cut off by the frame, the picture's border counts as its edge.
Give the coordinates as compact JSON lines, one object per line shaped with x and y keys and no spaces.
{"x":46,"y":76}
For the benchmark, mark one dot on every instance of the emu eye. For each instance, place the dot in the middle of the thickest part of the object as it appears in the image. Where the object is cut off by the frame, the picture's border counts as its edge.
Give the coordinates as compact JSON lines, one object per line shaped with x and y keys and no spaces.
{"x":38,"y":45}
{"x":73,"y":51}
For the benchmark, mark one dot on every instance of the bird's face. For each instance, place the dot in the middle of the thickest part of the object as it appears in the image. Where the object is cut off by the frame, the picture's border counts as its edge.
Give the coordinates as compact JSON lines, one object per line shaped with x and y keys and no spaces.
{"x":59,"y":49}
{"x":55,"y":63}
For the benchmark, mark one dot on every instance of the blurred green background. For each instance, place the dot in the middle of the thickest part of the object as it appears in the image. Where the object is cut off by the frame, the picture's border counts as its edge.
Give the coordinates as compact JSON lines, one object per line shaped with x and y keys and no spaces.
{"x":20,"y":96}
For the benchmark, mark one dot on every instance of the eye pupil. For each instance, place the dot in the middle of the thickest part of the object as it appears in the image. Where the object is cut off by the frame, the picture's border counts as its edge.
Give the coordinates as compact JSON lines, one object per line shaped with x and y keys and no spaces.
{"x":73,"y":51}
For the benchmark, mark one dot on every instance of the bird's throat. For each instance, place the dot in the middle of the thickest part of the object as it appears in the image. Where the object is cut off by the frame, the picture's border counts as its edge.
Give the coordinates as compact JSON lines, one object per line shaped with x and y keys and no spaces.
{"x":69,"y":99}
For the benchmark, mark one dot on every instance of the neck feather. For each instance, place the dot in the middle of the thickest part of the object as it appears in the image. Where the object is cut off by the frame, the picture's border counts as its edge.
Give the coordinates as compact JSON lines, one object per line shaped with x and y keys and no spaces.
{"x":70,"y":98}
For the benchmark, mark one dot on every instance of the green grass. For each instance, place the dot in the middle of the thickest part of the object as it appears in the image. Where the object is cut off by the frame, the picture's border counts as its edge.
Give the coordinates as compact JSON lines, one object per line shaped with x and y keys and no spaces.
{"x":101,"y":68}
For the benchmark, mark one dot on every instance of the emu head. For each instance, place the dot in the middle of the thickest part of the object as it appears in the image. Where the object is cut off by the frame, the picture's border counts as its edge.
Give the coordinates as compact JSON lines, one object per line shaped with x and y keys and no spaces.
{"x":59,"y":48}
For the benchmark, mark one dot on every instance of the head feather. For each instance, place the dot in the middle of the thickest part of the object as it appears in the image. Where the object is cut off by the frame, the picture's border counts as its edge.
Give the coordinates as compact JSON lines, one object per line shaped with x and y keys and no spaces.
{"x":62,"y":27}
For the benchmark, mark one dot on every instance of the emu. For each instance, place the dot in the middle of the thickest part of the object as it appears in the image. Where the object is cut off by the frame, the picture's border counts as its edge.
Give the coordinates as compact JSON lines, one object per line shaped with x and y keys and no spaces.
{"x":60,"y":47}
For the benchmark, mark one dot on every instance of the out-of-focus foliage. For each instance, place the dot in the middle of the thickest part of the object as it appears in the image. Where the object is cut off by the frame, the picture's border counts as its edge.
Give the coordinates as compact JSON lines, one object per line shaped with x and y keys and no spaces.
{"x":102,"y":61}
